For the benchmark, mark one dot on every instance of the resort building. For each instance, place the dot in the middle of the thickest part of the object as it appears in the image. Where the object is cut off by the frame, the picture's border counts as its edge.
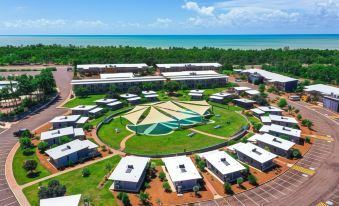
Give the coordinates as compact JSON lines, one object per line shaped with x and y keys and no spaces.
{"x":72,"y":152}
{"x":277,"y":130}
{"x":254,"y":155}
{"x":122,"y":84}
{"x":220,"y":97}
{"x":244,"y":103}
{"x":104,"y":102}
{"x":7,"y":84}
{"x":225,"y":167}
{"x":196,"y":94}
{"x":111,"y":68}
{"x":182,"y":173}
{"x":53,"y":137}
{"x":252,"y":93}
{"x":257,"y":112}
{"x":279,"y":120}
{"x":129,"y":174}
{"x":275,"y":144}
{"x":326,"y":94}
{"x":283,"y":83}
{"x":240,"y":90}
{"x":68,"y":121}
{"x":271,"y":110}
{"x":82,"y":109}
{"x":115,"y":105}
{"x":71,"y":200}
{"x":197,"y":79}
{"x":96,"y":112}
{"x":188,"y":67}
{"x":134,"y":100}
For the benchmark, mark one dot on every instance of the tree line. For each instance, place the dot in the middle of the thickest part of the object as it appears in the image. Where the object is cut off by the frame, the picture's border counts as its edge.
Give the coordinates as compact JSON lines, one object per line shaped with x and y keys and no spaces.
{"x":279,"y":60}
{"x":25,"y":91}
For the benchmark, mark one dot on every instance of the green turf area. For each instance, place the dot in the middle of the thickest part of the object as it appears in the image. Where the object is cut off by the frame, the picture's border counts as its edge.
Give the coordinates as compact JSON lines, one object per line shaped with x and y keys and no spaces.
{"x":175,"y":142}
{"x":108,"y":135}
{"x":96,"y":121}
{"x":20,"y":173}
{"x":89,"y":100}
{"x":87,"y":186}
{"x":236,"y":121}
{"x":253,"y":119}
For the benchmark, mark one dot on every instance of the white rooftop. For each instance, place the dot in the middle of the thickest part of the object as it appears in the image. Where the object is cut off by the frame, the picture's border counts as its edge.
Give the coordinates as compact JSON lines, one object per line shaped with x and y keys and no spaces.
{"x":105,"y":101}
{"x":222,"y":161}
{"x":216,"y":97}
{"x":245,"y":100}
{"x":88,"y":66}
{"x":323,"y":89}
{"x":242,"y":88}
{"x":222,"y":94}
{"x":270,"y":109}
{"x":127,"y":95}
{"x":148,"y":92}
{"x":253,"y":152}
{"x":190,"y":73}
{"x":70,"y":118}
{"x":96,"y":110}
{"x":130,"y":168}
{"x":200,"y":91}
{"x":61,"y":132}
{"x":265,"y":119}
{"x":82,"y":120}
{"x":69,"y":148}
{"x":252,"y":92}
{"x":181,"y":168}
{"x":151,"y":95}
{"x":116,"y":75}
{"x":118,"y":80}
{"x":257,"y":111}
{"x":281,"y":129}
{"x":133,"y":98}
{"x":272,"y":140}
{"x":114,"y":103}
{"x":195,"y":94}
{"x":84,"y":107}
{"x":72,"y":200}
{"x":189,"y":64}
{"x":272,"y":77}
{"x":283,"y":119}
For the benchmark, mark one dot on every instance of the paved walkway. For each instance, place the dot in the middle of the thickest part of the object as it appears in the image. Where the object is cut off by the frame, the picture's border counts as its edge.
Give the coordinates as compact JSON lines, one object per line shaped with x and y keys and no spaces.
{"x":123,"y":142}
{"x":208,"y":134}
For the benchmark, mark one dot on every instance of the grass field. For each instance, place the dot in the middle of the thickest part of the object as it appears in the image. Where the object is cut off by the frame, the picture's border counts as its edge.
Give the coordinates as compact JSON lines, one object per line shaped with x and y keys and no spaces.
{"x":20,"y":173}
{"x":175,"y":142}
{"x":87,"y":186}
{"x":96,"y":121}
{"x":108,"y":135}
{"x":236,"y":121}
{"x":89,"y":100}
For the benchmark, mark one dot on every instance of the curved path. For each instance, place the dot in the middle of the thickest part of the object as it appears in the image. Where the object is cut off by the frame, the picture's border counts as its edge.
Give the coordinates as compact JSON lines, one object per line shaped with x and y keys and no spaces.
{"x":7,"y":140}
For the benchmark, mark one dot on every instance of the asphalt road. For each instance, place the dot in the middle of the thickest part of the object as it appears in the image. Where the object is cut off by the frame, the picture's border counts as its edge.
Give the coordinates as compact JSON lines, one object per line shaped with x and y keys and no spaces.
{"x":7,"y":140}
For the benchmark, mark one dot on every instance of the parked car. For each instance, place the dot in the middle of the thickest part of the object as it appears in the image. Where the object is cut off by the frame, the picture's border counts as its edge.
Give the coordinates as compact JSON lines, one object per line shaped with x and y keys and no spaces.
{"x":294,"y":98}
{"x":19,"y":132}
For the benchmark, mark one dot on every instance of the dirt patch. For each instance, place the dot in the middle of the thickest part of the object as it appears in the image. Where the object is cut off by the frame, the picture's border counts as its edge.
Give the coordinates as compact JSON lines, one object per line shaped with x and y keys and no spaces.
{"x":217,"y":185}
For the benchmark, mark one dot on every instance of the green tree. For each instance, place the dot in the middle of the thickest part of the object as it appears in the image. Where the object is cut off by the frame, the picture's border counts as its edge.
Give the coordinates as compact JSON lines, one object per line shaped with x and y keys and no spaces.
{"x":172,"y":86}
{"x":134,"y":90}
{"x":307,"y":123}
{"x":144,"y":197}
{"x":228,"y":188}
{"x":42,"y":147}
{"x":81,"y":92}
{"x":252,"y":179}
{"x":166,"y":187}
{"x":30,"y":166}
{"x":261,"y":88}
{"x":282,"y":103}
{"x":65,"y":139}
{"x":299,"y":117}
{"x":86,"y":172}
{"x":240,"y":180}
{"x":257,"y":126}
{"x":196,"y":189}
{"x":162,"y":176}
{"x":25,"y":142}
{"x":296,"y":153}
{"x":54,"y":189}
{"x":124,"y":198}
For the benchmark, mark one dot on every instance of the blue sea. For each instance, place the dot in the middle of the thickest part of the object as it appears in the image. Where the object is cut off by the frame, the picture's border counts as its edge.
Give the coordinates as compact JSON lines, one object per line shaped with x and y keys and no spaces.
{"x":314,"y":41}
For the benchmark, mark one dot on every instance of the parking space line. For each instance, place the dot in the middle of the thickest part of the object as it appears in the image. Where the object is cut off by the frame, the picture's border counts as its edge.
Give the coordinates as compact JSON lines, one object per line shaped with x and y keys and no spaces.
{"x":256,"y":193}
{"x":4,"y":189}
{"x":314,"y":159}
{"x":291,"y":177}
{"x":288,"y":182}
{"x":216,"y":202}
{"x":316,"y":162}
{"x":320,"y":152}
{"x":226,"y":201}
{"x":249,"y":198}
{"x":334,"y":201}
{"x":7,"y":198}
{"x":238,"y":200}
{"x":275,"y":189}
{"x":270,"y":194}
{"x":275,"y":182}
{"x":10,"y":203}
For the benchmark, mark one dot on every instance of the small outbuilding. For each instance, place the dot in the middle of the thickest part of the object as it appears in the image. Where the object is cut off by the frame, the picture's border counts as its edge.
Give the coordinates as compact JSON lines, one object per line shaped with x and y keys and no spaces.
{"x":134,"y":100}
{"x":271,"y":110}
{"x":129,"y":174}
{"x":223,"y":165}
{"x":53,"y":137}
{"x":82,"y":109}
{"x":66,"y":121}
{"x":96,"y":112}
{"x":257,"y":112}
{"x":283,"y":121}
{"x":240,"y":90}
{"x":104,"y":101}
{"x":182,"y":173}
{"x":71,"y":200}
{"x":244,"y":103}
{"x":277,"y":130}
{"x":115,"y":105}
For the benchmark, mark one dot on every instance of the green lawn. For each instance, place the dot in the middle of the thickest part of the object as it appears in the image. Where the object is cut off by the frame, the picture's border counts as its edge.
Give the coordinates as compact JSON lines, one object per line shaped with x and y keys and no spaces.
{"x":20,"y":173}
{"x":96,"y":121}
{"x":76,"y":184}
{"x":84,"y":101}
{"x":236,"y":121}
{"x":175,"y":142}
{"x":253,"y":119}
{"x":108,"y":135}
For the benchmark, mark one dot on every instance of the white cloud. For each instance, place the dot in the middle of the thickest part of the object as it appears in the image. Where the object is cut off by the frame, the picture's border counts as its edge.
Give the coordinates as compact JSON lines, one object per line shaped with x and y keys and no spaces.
{"x":38,"y":23}
{"x":161,"y":23}
{"x":95,"y":23}
{"x":203,"y":10}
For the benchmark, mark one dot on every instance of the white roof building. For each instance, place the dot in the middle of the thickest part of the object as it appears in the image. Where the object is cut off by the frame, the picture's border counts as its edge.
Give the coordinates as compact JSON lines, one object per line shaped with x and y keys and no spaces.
{"x":253,"y":151}
{"x":148,"y":92}
{"x":70,"y":118}
{"x":118,"y":80}
{"x":83,"y":107}
{"x":265,"y":119}
{"x":89,"y":66}
{"x":244,"y":100}
{"x":199,"y":91}
{"x":105,"y":101}
{"x":181,"y":168}
{"x":130,"y":169}
{"x":257,"y":111}
{"x":69,"y":148}
{"x":279,"y":118}
{"x":62,"y":132}
{"x":270,"y":109}
{"x":217,"y":65}
{"x":82,"y":120}
{"x":222,"y":161}
{"x":133,"y":99}
{"x":252,"y":92}
{"x":281,"y":130}
{"x":72,"y":200}
{"x":114,"y":103}
{"x":96,"y":110}
{"x":241,"y":89}
{"x":272,"y":140}
{"x":116,"y":75}
{"x":187,"y":75}
{"x":322,"y":89}
{"x":270,"y":76}
{"x":127,"y":95}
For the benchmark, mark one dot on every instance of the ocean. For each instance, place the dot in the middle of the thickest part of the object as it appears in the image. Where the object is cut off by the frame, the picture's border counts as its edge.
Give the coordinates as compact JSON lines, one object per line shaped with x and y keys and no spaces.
{"x":293,"y":41}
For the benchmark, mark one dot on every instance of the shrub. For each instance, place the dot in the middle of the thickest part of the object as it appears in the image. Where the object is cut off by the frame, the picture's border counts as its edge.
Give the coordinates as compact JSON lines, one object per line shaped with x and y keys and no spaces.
{"x":87,"y":127}
{"x":196,"y":189}
{"x":252,"y":179}
{"x":282,"y":103}
{"x":25,"y":142}
{"x":296,"y":153}
{"x":65,"y":139}
{"x":307,"y":123}
{"x":54,"y":189}
{"x":240,"y":180}
{"x":124,"y":198}
{"x":228,"y":188}
{"x":144,"y":197}
{"x":28,"y":152}
{"x":162,"y":176}
{"x":30,"y":166}
{"x":297,"y":111}
{"x":26,"y":133}
{"x":201,"y":164}
{"x":42,"y":147}
{"x":166,"y":187}
{"x":257,"y":126}
{"x":308,"y":139}
{"x":85,"y":172}
{"x":147,"y":185}
{"x":299,"y":117}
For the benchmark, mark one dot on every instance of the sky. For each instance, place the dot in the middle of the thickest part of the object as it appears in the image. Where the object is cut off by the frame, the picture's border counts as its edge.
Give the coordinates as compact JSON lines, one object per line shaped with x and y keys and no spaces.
{"x":169,"y":17}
